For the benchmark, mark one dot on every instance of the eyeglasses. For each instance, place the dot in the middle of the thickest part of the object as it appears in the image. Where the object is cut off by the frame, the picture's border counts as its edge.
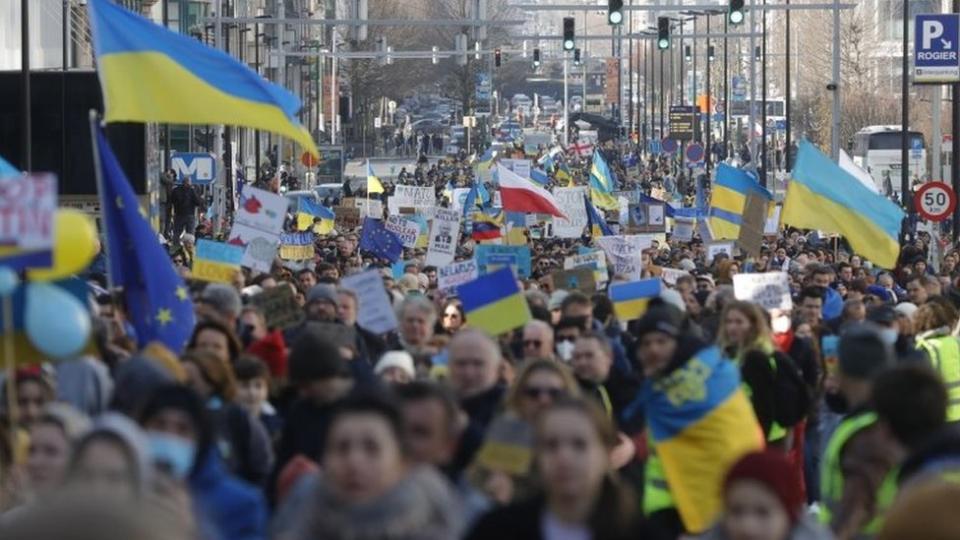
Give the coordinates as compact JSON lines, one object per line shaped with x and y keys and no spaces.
{"x":532,"y":343}
{"x":534,"y":392}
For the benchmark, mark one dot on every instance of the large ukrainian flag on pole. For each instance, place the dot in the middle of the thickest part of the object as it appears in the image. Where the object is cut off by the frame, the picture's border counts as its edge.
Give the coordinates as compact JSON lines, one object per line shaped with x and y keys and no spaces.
{"x":821,"y":195}
{"x":150,"y":74}
{"x":729,"y":199}
{"x":602,"y":183}
{"x":701,"y":422}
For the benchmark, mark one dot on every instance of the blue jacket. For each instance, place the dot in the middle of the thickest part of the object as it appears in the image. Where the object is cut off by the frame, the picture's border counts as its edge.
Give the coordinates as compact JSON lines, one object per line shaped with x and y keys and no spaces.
{"x":234,"y":509}
{"x":832,"y":305}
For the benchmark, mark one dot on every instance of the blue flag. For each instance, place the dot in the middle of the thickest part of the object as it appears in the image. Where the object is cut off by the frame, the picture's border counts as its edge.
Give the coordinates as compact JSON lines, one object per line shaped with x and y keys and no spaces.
{"x":470,"y":203}
{"x":376,"y":240}
{"x":158,"y":302}
{"x":308,"y":206}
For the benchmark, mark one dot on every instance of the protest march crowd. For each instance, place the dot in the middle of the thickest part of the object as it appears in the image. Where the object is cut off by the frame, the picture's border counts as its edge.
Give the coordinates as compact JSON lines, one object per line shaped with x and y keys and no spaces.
{"x":572,"y":345}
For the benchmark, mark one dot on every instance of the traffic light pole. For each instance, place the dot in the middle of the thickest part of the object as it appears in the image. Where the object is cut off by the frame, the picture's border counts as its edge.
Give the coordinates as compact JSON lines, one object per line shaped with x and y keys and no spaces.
{"x":566,"y":103}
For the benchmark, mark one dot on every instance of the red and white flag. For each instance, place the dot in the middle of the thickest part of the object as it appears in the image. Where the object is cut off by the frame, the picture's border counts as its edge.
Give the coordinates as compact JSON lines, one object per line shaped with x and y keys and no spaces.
{"x":581,"y":148}
{"x":518,"y":194}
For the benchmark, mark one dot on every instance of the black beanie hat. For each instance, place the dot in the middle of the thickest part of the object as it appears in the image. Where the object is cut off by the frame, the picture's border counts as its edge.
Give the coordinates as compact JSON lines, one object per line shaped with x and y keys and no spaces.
{"x":660,"y":317}
{"x":863,"y":353}
{"x":315,"y":357}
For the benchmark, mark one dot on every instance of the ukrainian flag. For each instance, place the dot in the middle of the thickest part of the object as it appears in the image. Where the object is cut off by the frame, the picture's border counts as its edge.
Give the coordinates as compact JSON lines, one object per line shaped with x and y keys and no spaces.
{"x":602,"y":183}
{"x":539,"y":176}
{"x":373,"y":183}
{"x":563,"y":174}
{"x":823,"y":196}
{"x":729,"y":199}
{"x":150,"y":74}
{"x":494,"y":303}
{"x":630,"y":299}
{"x":701,"y":422}
{"x":307,"y":210}
{"x":595,"y":222}
{"x":486,"y":160}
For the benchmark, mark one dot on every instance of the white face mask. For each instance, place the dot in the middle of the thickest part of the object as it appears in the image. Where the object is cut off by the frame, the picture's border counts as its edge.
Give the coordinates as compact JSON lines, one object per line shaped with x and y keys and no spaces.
{"x":781,"y":324}
{"x":565,"y":350}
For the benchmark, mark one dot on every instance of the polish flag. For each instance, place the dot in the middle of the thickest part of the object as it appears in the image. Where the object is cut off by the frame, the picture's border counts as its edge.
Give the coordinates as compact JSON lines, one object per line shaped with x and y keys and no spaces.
{"x":518,"y":194}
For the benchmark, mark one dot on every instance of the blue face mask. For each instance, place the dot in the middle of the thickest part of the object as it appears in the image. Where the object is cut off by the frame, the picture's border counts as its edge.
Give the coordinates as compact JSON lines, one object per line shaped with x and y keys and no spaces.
{"x":172,"y":453}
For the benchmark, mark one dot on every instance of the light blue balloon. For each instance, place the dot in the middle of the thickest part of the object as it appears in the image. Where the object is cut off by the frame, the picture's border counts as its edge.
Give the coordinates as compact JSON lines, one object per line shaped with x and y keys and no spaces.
{"x":57,"y":323}
{"x":8,"y":281}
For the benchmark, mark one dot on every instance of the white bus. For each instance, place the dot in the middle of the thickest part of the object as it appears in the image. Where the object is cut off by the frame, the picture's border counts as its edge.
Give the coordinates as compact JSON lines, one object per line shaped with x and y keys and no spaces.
{"x":876,"y":149}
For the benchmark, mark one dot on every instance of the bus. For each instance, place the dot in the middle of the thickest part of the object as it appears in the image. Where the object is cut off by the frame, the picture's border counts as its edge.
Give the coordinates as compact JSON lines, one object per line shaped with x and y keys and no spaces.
{"x":877,"y":150}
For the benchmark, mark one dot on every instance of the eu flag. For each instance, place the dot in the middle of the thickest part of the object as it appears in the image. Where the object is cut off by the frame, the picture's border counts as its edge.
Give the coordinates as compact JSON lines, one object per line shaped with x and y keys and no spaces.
{"x":378,"y":241}
{"x":158,"y":303}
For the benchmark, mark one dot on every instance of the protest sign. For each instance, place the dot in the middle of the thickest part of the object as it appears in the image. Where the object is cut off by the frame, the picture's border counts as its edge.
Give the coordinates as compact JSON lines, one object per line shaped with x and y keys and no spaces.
{"x":415,"y":197}
{"x":452,"y":275}
{"x":624,"y":253}
{"x":671,"y":275}
{"x":570,"y":202}
{"x":374,"y":312}
{"x":594,"y":260}
{"x":262,"y":210}
{"x":718,"y":248}
{"x":216,"y":261}
{"x":683,"y":229}
{"x":260,"y":248}
{"x":770,"y":290}
{"x":750,"y":238}
{"x":632,"y":196}
{"x":519,"y":166}
{"x":406,"y":230}
{"x":279,"y":307}
{"x":772,"y":225}
{"x":459,"y":198}
{"x":28,"y":206}
{"x":491,"y":257}
{"x":577,"y":279}
{"x":346,"y":217}
{"x":370,"y":208}
{"x":296,"y":246}
{"x":444,"y":233}
{"x":648,"y":217}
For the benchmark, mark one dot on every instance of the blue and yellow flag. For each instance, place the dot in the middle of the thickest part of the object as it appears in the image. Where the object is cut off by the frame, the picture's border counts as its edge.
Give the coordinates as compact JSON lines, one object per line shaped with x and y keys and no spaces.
{"x":563,"y":174}
{"x":630,"y":299}
{"x":729,"y":200}
{"x":150,"y":74}
{"x":373,"y":183}
{"x":158,"y":303}
{"x":539,"y":176}
{"x":595,"y":222}
{"x":485,"y":162}
{"x":494,"y":302}
{"x":823,"y":196}
{"x":307,"y":210}
{"x":602,"y":183}
{"x":701,"y":422}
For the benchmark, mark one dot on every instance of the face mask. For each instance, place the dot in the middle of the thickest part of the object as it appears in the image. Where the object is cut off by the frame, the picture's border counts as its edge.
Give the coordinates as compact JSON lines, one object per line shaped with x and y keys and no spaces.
{"x":889,"y":336}
{"x":173,"y":454}
{"x":836,"y":402}
{"x":780,"y":325}
{"x":565,"y":350}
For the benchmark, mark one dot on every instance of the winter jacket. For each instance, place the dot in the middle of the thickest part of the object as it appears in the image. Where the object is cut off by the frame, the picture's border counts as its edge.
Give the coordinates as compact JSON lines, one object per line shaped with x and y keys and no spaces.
{"x":806,"y":529}
{"x":235,"y":509}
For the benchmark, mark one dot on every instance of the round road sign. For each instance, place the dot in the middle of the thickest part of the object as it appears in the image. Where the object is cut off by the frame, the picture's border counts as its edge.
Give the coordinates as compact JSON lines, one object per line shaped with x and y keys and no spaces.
{"x":669,"y":146}
{"x":694,"y":153}
{"x":935,"y":201}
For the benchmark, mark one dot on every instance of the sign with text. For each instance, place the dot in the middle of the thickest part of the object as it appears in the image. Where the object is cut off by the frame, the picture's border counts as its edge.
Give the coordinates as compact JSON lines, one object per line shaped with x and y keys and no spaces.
{"x":624,"y":253}
{"x":770,"y":290}
{"x":453,"y":275}
{"x":683,"y":229}
{"x":519,"y":166}
{"x":374,"y":312}
{"x":648,"y":217}
{"x":444,"y":233}
{"x":671,"y":275}
{"x":681,"y":122}
{"x":27,"y":208}
{"x":406,"y":230}
{"x":279,"y":307}
{"x":937,"y":37}
{"x":415,"y":197}
{"x":491,"y":257}
{"x":296,"y":246}
{"x":577,"y":279}
{"x":570,"y":201}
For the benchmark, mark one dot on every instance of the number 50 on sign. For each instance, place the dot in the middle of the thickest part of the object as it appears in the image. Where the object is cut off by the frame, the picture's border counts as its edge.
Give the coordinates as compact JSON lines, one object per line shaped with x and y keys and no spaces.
{"x":935,"y":201}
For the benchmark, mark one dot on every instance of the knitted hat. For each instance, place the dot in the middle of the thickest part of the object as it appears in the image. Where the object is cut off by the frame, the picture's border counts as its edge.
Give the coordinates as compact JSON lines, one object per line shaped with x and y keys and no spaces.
{"x":408,"y":282}
{"x":314,"y":357}
{"x":322,"y":292}
{"x":771,"y":469}
{"x":397,"y":359}
{"x":223,"y":298}
{"x":863,"y":353}
{"x":660,"y":317}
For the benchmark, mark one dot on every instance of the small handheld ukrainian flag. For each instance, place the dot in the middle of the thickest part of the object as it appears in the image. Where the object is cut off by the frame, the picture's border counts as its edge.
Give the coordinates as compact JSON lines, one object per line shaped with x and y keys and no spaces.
{"x":150,"y":74}
{"x":308,"y":210}
{"x":373,"y":183}
{"x":563,"y":174}
{"x":630,"y":299}
{"x":595,"y":222}
{"x":602,"y":183}
{"x":494,"y":303}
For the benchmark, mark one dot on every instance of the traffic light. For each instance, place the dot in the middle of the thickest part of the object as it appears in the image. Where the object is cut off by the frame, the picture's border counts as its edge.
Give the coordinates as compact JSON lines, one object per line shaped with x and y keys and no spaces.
{"x":663,"y":33}
{"x":686,"y":53}
{"x":710,"y":53}
{"x":576,"y":57}
{"x":757,"y":54}
{"x":536,"y":58}
{"x":496,"y":57}
{"x":568,"y":33}
{"x":615,"y":11}
{"x":735,"y":14}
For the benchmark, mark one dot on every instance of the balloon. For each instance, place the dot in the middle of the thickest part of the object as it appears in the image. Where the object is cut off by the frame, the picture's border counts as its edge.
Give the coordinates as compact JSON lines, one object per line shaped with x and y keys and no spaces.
{"x":8,"y":281}
{"x":57,"y":323}
{"x":74,"y":246}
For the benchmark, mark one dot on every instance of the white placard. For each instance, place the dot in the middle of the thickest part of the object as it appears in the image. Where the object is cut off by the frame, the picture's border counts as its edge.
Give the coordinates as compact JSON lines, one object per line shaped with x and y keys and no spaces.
{"x":683,"y":229}
{"x":450,"y":276}
{"x":770,"y":290}
{"x":717,"y":248}
{"x":406,"y":230}
{"x":261,"y":210}
{"x":459,"y":198}
{"x":444,"y":233}
{"x":624,"y":253}
{"x":370,"y":208}
{"x":519,"y":166}
{"x":671,"y":275}
{"x":28,"y":205}
{"x":595,"y":260}
{"x":374,"y":312}
{"x":415,"y":197}
{"x":260,"y":248}
{"x":772,"y":226}
{"x":570,"y":202}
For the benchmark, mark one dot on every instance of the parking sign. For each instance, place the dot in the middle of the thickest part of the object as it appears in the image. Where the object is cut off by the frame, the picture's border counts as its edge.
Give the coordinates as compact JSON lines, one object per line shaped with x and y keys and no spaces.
{"x":936,"y":39}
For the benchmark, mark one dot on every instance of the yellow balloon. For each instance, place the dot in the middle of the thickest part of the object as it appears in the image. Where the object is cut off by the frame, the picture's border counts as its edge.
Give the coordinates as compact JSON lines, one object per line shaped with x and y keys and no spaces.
{"x":75,"y":244}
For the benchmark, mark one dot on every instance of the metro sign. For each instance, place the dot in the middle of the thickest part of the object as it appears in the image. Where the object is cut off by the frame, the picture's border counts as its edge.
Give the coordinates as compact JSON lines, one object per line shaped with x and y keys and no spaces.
{"x":201,"y":168}
{"x":937,"y":40}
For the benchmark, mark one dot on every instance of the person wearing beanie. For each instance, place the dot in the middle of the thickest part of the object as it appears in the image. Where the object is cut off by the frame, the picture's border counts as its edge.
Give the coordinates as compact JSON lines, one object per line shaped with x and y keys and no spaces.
{"x":321,"y":303}
{"x":857,"y":481}
{"x":224,"y":301}
{"x":395,"y":367}
{"x":762,"y":501}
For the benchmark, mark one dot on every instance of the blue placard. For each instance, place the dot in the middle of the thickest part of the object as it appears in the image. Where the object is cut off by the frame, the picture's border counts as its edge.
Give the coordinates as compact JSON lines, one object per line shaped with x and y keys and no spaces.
{"x":491,"y":256}
{"x":201,"y":168}
{"x":936,"y":38}
{"x":220,"y":252}
{"x":296,"y":238}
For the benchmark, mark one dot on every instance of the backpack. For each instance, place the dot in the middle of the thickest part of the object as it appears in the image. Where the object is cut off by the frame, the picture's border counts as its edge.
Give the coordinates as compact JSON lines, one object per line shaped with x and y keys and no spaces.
{"x":779,"y":393}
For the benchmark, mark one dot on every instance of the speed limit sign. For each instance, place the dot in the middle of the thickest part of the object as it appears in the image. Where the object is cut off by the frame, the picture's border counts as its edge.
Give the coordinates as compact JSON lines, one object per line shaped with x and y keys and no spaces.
{"x":935,"y":201}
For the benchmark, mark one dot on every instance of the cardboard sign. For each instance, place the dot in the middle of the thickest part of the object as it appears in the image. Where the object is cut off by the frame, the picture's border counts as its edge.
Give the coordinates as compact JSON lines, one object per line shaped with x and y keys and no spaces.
{"x":671,"y":275}
{"x":750,"y":238}
{"x":491,"y":257}
{"x":370,"y":208}
{"x":717,"y":248}
{"x":27,"y":206}
{"x":453,"y":275}
{"x":415,"y":196}
{"x":346,"y":217}
{"x":374,"y":312}
{"x":683,"y":229}
{"x":262,"y":210}
{"x":648,"y":217}
{"x":279,"y":307}
{"x":570,"y":202}
{"x":770,"y":290}
{"x":296,"y":246}
{"x":444,"y":234}
{"x":260,"y":248}
{"x":406,"y":230}
{"x":772,"y":225}
{"x":578,"y":279}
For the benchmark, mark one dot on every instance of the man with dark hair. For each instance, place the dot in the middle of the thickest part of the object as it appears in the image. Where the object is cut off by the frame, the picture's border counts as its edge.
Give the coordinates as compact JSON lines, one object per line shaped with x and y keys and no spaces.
{"x":845,"y":273}
{"x":810,"y":305}
{"x":911,"y":402}
{"x":432,"y":425}
{"x":822,"y":275}
{"x":306,"y":278}
{"x":578,"y":305}
{"x":921,"y":288}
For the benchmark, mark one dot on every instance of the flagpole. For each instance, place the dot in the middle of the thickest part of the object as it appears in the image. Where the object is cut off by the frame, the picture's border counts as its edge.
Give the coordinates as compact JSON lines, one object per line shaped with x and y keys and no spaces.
{"x":98,"y":175}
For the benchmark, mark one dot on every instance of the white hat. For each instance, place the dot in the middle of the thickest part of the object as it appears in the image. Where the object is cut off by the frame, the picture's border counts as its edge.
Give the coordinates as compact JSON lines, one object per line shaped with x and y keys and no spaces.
{"x":906,"y":309}
{"x":397,"y":359}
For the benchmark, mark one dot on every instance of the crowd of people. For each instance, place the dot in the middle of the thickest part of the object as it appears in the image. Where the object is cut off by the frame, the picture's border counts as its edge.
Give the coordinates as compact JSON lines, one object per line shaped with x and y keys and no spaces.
{"x":437,"y":430}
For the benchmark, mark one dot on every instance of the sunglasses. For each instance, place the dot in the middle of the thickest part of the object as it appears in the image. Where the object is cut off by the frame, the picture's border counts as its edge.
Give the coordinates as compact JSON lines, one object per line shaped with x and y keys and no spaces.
{"x":534,"y":392}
